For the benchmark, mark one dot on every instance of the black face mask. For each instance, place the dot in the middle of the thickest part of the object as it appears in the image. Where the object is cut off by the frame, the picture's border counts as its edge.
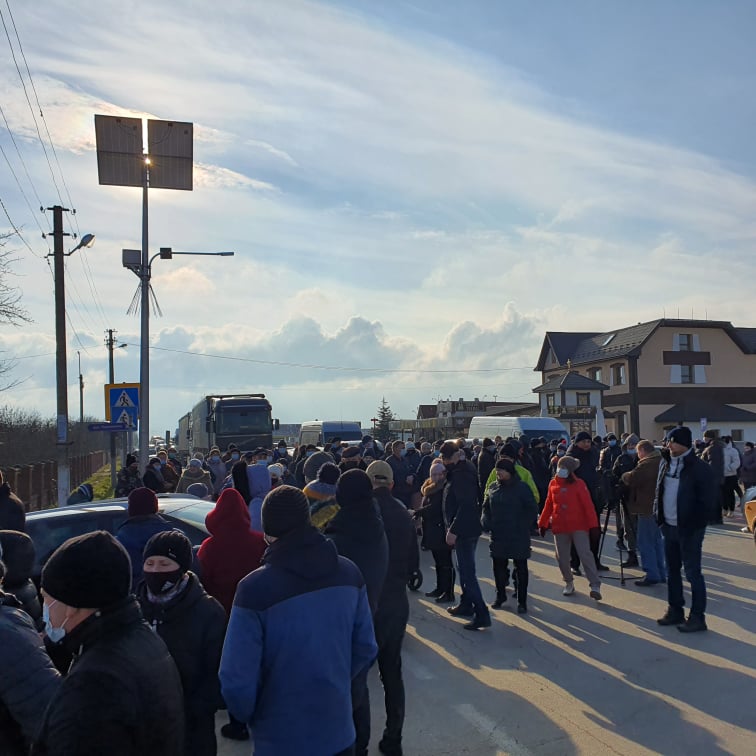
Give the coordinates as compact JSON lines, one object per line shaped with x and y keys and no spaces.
{"x":162,"y":582}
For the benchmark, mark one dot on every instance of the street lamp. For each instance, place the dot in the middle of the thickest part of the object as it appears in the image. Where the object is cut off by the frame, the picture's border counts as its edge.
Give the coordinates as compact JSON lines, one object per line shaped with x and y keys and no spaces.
{"x":132,"y":259}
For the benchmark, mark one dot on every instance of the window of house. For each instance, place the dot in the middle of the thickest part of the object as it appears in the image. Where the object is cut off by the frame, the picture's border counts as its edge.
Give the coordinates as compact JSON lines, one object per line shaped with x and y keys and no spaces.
{"x":737,"y":434}
{"x":583,"y":399}
{"x":618,"y":374}
{"x":551,"y":401}
{"x":686,"y":343}
{"x":687,"y":374}
{"x":595,"y":373}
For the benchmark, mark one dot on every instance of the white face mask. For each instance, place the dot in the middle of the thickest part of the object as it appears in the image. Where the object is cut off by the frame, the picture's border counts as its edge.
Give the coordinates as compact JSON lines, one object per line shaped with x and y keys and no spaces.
{"x":55,"y":634}
{"x":563,"y":472}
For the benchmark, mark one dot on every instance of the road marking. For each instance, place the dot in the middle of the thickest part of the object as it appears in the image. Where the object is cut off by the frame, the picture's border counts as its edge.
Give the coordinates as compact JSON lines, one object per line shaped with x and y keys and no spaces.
{"x":495,"y":733}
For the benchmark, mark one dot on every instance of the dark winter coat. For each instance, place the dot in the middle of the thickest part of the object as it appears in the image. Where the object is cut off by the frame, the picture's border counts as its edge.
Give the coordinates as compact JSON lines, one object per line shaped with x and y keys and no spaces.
{"x":27,"y":682}
{"x":122,"y":695}
{"x":460,"y":500}
{"x":640,"y":485}
{"x":401,"y":469}
{"x":12,"y":514}
{"x":486,"y":463}
{"x":589,"y":460}
{"x":697,"y":496}
{"x":432,"y":513}
{"x":541,"y":473}
{"x":404,"y":554}
{"x":423,"y":469}
{"x":300,"y":632}
{"x":193,"y":625}
{"x":747,"y":471}
{"x":713,"y":455}
{"x":624,"y":463}
{"x":134,"y":534}
{"x":18,"y":557}
{"x":155,"y":481}
{"x":127,"y":481}
{"x":509,"y":511}
{"x":232,"y":551}
{"x":357,"y":532}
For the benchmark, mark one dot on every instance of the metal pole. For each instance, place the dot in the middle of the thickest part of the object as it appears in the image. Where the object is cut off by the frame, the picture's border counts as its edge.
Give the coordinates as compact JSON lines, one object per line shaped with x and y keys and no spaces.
{"x":81,"y":392}
{"x":64,"y":473}
{"x":144,"y":351}
{"x":110,"y":342}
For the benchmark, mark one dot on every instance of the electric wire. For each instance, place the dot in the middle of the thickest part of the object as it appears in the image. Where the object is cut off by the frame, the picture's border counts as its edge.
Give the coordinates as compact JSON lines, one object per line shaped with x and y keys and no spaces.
{"x":23,"y":193}
{"x":16,"y":230}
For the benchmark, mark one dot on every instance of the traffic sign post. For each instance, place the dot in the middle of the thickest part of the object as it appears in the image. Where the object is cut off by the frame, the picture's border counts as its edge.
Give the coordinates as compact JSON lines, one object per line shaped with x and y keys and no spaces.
{"x":122,"y":404}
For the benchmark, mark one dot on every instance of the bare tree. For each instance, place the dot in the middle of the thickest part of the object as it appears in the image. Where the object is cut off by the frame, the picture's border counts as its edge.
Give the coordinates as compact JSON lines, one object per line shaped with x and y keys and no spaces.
{"x":11,"y":311}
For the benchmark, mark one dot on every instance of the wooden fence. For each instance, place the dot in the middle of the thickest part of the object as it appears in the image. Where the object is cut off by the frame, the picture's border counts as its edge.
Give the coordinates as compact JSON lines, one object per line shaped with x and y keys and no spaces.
{"x":36,"y":485}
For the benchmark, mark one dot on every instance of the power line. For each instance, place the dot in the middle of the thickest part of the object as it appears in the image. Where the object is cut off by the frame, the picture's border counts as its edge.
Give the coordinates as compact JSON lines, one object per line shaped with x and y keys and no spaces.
{"x":335,"y":367}
{"x":23,"y":193}
{"x":16,"y":230}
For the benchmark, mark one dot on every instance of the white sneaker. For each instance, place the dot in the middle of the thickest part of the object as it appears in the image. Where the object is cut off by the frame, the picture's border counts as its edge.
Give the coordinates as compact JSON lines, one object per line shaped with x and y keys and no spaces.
{"x":569,"y":589}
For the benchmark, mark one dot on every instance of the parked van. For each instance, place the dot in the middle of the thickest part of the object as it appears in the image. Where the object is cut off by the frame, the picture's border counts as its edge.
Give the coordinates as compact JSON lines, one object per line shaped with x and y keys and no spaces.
{"x":533,"y":427}
{"x":319,"y":432}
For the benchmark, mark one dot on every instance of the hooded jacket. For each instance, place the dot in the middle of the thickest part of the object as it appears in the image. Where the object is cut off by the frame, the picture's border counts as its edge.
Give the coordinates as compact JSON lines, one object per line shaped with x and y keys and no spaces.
{"x":232,"y":551}
{"x":300,"y":631}
{"x":509,"y":511}
{"x":358,"y":534}
{"x":18,"y":557}
{"x":194,"y":474}
{"x":122,"y":694}
{"x":28,"y":680}
{"x":569,"y":507}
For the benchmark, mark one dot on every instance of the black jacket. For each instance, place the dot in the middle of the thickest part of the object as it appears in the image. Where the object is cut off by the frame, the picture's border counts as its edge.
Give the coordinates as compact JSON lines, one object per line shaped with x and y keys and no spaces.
{"x":432,"y":513}
{"x":486,"y":463}
{"x":28,"y":679}
{"x":697,"y":496}
{"x":122,"y":695}
{"x":509,"y":511}
{"x":12,"y":514}
{"x":193,"y":626}
{"x":460,"y":500}
{"x":18,"y":556}
{"x":357,"y":532}
{"x":587,"y":471}
{"x":404,"y":555}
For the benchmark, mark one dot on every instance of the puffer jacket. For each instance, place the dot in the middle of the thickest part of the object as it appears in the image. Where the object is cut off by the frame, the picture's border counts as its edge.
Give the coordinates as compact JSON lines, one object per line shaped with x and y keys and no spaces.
{"x":569,"y":507}
{"x":28,"y":680}
{"x":431,"y":511}
{"x":640,"y":485}
{"x":191,"y":475}
{"x":509,"y":511}
{"x":192,"y":625}
{"x":17,"y":553}
{"x":748,"y":468}
{"x":731,"y":460}
{"x":134,"y":534}
{"x":460,"y":500}
{"x":232,"y":551}
{"x":122,"y":695}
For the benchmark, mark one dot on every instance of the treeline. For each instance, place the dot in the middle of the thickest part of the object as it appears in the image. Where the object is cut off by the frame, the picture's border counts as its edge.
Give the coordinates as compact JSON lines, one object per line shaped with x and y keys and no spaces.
{"x":26,"y":437}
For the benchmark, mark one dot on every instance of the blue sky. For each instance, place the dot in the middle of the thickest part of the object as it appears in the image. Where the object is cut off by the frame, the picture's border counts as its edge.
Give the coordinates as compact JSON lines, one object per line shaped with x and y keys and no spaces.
{"x":412,"y":187}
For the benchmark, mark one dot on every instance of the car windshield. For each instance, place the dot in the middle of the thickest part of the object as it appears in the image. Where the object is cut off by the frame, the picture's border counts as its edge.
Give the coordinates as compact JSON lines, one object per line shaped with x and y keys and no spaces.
{"x":238,"y":420}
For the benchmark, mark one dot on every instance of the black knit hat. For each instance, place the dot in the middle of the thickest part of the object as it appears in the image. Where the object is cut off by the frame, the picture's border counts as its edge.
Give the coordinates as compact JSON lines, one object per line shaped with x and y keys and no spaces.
{"x":682,"y":436}
{"x":172,"y":544}
{"x":329,"y":473}
{"x":354,"y":487}
{"x":583,"y":436}
{"x":90,"y":571}
{"x":284,"y":509}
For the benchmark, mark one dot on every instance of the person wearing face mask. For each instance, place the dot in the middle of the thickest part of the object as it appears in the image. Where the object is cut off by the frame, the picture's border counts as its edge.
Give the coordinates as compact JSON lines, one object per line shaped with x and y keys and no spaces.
{"x":403,"y":476}
{"x":559,"y":452}
{"x":509,"y":511}
{"x":434,"y":532}
{"x":217,"y":468}
{"x":306,"y":453}
{"x":122,"y":693}
{"x":194,"y":473}
{"x":570,"y":515}
{"x":153,"y":477}
{"x":627,"y":524}
{"x":28,"y":680}
{"x":192,"y":624}
{"x":233,"y":455}
{"x":128,"y":477}
{"x":170,"y":470}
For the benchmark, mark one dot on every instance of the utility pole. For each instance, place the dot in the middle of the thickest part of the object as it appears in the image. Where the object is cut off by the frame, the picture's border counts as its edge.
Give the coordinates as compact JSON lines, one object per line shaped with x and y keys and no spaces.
{"x":81,"y":392}
{"x":64,"y":472}
{"x":110,"y":344}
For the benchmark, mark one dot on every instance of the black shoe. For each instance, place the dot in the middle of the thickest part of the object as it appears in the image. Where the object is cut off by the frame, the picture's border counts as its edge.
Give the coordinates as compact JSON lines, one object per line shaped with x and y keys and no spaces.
{"x":477,"y":624}
{"x":672,"y":617}
{"x":646,"y":582}
{"x":601,"y":567}
{"x":434,"y":594}
{"x":235,"y":731}
{"x":522,"y":609}
{"x":445,"y":598}
{"x":497,"y":604}
{"x":694,"y":624}
{"x":621,"y":545}
{"x":390,"y":748}
{"x":461,"y":611}
{"x":576,"y":571}
{"x":631,"y":561}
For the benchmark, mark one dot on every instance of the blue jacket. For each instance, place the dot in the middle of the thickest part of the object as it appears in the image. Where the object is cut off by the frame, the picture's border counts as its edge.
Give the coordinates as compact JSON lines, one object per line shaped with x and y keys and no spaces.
{"x":300,"y":631}
{"x":133,"y":536}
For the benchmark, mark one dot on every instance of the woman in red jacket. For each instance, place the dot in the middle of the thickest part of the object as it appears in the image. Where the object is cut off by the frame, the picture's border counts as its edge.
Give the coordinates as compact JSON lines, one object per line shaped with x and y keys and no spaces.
{"x":230,"y":553}
{"x":570,"y":514}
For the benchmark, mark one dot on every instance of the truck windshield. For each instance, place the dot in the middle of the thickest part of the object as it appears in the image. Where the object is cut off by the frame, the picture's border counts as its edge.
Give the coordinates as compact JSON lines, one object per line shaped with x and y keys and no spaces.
{"x":242,"y":420}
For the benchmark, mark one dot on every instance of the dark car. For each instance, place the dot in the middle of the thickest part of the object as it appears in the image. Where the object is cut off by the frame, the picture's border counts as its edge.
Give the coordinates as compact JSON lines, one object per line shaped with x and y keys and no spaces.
{"x":49,"y":528}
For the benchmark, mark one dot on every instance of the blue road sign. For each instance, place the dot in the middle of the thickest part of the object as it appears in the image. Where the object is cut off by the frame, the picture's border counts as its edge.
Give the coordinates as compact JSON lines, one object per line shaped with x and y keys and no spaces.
{"x":108,"y":427}
{"x":122,"y":404}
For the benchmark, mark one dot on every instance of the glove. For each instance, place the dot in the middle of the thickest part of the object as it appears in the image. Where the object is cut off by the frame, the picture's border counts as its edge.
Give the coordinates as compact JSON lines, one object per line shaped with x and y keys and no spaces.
{"x":542,"y":531}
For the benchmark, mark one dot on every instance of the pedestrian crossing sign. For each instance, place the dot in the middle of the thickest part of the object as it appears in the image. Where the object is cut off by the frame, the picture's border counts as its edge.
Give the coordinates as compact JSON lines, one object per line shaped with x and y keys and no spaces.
{"x":122,"y":404}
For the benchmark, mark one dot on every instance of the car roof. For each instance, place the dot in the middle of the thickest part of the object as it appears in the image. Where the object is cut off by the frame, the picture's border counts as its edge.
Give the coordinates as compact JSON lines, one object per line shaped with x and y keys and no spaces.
{"x":166,"y":503}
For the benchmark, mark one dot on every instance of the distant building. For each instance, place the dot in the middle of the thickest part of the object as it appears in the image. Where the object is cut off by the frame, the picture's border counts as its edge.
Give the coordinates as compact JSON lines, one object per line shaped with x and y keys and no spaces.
{"x":653,"y":376}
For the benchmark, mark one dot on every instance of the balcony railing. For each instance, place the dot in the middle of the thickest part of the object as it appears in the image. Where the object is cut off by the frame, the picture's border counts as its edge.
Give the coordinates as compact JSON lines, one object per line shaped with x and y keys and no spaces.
{"x":572,"y":411}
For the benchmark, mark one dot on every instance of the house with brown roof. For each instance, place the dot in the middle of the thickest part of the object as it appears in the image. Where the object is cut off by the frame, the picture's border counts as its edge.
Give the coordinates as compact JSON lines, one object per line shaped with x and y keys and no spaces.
{"x":656,"y":375}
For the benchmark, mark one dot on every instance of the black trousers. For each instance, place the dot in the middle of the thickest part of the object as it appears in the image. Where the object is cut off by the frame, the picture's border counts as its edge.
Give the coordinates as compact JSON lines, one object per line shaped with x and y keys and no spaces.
{"x":390,"y":627}
{"x":361,"y":713}
{"x":199,"y":739}
{"x":730,"y":493}
{"x":444,"y":570}
{"x":520,"y":576}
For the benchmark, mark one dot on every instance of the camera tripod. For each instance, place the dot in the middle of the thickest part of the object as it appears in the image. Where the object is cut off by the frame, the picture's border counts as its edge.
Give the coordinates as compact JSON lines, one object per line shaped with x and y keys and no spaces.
{"x":629,"y":528}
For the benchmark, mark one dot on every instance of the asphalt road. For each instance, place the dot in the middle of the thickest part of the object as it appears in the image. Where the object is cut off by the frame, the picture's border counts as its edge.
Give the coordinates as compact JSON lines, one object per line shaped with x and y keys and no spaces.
{"x":578,"y":677}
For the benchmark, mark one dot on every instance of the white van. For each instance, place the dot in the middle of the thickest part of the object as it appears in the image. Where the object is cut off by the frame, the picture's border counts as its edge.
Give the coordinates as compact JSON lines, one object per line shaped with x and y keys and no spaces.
{"x":491,"y":426}
{"x":319,"y":432}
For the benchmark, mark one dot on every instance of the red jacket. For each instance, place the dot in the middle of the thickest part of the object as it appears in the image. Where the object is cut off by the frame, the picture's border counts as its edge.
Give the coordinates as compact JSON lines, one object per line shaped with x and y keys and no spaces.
{"x":232,"y":551}
{"x":568,"y":507}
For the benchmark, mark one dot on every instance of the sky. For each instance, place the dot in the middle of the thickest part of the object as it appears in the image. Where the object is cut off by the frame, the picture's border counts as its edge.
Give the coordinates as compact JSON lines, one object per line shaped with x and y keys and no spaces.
{"x":414,"y":191}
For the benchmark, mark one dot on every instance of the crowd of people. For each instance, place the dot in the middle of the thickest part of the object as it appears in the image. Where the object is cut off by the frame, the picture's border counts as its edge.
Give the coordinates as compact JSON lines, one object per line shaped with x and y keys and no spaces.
{"x":136,"y":640}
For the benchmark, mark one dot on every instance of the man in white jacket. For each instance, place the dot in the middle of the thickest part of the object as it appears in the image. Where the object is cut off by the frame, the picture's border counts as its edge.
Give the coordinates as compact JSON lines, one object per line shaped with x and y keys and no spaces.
{"x":731,"y":492}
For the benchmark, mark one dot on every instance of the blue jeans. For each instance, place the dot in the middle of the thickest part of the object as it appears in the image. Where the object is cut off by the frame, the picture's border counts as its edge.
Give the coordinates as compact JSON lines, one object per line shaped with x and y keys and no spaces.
{"x":651,"y":548}
{"x":683,"y":549}
{"x":471,"y":594}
